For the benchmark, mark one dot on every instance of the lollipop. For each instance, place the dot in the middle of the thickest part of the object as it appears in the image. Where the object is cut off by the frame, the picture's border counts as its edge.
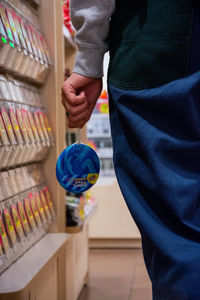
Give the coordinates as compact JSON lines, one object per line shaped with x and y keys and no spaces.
{"x":77,"y":167}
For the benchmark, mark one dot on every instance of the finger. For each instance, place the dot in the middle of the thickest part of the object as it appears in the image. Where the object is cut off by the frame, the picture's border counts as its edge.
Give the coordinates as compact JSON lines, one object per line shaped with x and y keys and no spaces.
{"x":84,"y":115}
{"x":76,"y":110}
{"x":73,"y":97}
{"x":78,"y":124}
{"x":64,"y":103}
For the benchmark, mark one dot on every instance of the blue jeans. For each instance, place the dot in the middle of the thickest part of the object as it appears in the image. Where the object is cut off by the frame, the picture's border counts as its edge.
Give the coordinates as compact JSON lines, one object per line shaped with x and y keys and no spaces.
{"x":156,"y":143}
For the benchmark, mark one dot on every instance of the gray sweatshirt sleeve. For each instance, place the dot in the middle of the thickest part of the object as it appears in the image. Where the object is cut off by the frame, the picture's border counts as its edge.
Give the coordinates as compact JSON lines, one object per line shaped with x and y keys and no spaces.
{"x":90,"y":19}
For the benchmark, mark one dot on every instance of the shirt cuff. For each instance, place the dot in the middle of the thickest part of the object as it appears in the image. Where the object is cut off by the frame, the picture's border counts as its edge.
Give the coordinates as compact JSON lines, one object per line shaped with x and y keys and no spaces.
{"x":89,"y":62}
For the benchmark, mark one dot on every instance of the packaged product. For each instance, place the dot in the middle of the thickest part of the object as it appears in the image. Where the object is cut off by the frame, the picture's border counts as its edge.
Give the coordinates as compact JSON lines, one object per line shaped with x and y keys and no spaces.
{"x":34,"y":209}
{"x":44,"y":203}
{"x":40,"y":208}
{"x":3,"y":236}
{"x":23,"y":217}
{"x":49,"y":201}
{"x":10,"y":226}
{"x":17,"y":221}
{"x":29,"y":214}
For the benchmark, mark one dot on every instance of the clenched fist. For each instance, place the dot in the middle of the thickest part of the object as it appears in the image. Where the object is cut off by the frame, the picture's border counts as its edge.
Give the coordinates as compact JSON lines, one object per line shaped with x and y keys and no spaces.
{"x":79,"y":96}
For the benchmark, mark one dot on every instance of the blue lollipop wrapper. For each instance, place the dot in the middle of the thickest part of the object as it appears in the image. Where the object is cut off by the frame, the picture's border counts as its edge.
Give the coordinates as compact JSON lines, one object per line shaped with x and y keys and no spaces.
{"x":77,"y":168}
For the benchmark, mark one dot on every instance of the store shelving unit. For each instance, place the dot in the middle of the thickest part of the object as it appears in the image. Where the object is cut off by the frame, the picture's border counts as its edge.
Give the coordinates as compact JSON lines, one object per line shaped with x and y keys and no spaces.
{"x":44,"y":271}
{"x":33,"y":275}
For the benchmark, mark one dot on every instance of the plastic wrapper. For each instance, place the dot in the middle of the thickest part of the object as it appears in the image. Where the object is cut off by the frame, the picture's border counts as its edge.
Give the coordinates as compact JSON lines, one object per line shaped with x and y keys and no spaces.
{"x":28,"y":155}
{"x":40,"y":208}
{"x":4,"y":45}
{"x":6,"y":149}
{"x":19,"y":56}
{"x":17,"y":221}
{"x":29,"y":214}
{"x":21,"y":144}
{"x":10,"y":226}
{"x":49,"y":129}
{"x":49,"y":201}
{"x":15,"y":149}
{"x":26,"y":59}
{"x":30,"y":68}
{"x":5,"y":184}
{"x":23,"y":218}
{"x":12,"y":182}
{"x":34,"y":209}
{"x":3,"y":236}
{"x":41,"y":76}
{"x":38,"y":66}
{"x":45,"y":205}
{"x":13,"y":50}
{"x":30,"y":134}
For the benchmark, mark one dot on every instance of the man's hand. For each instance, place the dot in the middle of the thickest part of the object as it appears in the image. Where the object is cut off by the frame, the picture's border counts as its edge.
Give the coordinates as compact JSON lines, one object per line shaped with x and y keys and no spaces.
{"x":79,"y":96}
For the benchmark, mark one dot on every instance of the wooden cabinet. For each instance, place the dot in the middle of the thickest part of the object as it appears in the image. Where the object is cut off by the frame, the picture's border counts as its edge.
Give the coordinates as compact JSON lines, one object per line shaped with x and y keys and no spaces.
{"x":45,"y":285}
{"x":77,"y":267}
{"x":40,"y":274}
{"x":55,"y":268}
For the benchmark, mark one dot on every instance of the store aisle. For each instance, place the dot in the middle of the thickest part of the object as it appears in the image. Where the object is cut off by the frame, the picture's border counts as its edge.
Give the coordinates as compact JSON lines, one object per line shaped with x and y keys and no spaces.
{"x":117,"y":274}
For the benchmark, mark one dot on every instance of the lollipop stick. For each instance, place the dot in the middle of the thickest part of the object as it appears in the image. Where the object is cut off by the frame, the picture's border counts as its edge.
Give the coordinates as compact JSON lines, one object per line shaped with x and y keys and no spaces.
{"x":78,"y":135}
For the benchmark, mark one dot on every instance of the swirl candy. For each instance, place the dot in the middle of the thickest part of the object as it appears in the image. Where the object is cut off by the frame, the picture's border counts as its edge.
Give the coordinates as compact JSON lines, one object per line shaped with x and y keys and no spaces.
{"x":77,"y":168}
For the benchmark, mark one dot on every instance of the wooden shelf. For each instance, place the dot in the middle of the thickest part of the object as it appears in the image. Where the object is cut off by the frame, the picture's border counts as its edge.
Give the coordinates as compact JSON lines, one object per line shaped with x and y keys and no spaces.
{"x":23,"y":271}
{"x":90,"y":210}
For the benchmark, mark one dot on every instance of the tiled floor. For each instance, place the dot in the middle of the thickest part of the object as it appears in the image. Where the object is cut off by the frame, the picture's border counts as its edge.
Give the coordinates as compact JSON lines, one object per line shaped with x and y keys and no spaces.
{"x":117,"y":274}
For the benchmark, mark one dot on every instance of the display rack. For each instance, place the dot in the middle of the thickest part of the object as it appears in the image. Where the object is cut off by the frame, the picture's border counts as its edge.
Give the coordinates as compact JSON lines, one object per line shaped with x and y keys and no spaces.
{"x":31,"y":75}
{"x":29,"y":166}
{"x":90,"y":210}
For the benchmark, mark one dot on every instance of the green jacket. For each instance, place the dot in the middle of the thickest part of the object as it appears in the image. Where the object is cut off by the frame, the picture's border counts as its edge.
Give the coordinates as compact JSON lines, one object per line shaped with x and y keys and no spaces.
{"x":149,"y":42}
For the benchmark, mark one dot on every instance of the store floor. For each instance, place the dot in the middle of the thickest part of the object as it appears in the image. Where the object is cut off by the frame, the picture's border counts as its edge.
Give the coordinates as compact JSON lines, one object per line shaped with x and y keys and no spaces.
{"x":117,"y":274}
